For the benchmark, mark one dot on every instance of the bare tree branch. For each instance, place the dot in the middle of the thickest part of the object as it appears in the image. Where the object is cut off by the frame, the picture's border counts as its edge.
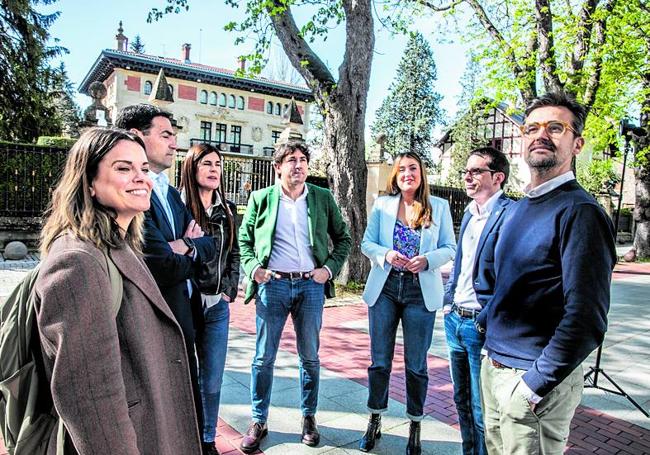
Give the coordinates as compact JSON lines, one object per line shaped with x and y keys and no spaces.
{"x":525,"y":82}
{"x":546,"y":53}
{"x":436,"y":8}
{"x":302,"y":57}
{"x":599,"y":36}
{"x":583,"y":39}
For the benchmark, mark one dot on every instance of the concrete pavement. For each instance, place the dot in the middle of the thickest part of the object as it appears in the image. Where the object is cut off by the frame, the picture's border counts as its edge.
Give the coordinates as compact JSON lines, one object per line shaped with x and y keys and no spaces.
{"x":604,"y":424}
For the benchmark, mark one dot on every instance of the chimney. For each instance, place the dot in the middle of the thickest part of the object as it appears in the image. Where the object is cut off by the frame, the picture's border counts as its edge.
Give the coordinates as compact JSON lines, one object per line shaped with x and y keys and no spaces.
{"x":122,"y":41}
{"x":242,"y":63}
{"x":185,"y":55}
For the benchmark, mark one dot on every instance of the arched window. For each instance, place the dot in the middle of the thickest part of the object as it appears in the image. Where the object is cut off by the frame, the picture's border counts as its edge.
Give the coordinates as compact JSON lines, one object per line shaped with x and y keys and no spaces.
{"x":269,"y":107}
{"x":285,"y":109}
{"x":222,"y":99}
{"x":147,"y":87}
{"x":240,"y":103}
{"x":231,"y":101}
{"x":203,"y":98}
{"x":213,"y":98}
{"x":278,"y":109}
{"x":171,"y":89}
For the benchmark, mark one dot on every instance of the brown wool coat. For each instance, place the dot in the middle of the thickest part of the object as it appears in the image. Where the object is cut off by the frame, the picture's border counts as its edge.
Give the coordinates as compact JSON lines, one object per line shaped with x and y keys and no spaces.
{"x":121,"y":385}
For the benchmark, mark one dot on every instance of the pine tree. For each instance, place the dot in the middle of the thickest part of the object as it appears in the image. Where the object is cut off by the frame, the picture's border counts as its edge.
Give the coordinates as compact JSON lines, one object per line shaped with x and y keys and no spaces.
{"x":66,"y":111}
{"x":26,"y":78}
{"x":411,"y":110}
{"x":137,"y":45}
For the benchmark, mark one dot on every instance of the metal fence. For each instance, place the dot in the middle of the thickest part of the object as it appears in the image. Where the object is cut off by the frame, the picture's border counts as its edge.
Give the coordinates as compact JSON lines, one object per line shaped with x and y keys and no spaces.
{"x":28,"y":173}
{"x":457,"y":199}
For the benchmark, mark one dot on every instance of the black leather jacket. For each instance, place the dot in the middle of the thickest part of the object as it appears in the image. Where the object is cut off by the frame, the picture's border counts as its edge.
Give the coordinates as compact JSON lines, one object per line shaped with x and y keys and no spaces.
{"x":221,"y":273}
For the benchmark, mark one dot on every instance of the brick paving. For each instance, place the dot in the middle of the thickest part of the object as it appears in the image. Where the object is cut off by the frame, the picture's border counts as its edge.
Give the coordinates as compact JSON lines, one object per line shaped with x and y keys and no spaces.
{"x":345,"y":351}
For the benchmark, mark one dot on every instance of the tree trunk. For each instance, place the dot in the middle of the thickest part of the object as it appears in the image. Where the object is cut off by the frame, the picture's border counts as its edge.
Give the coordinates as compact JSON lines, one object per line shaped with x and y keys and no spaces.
{"x":642,"y":212}
{"x":642,"y":186}
{"x":348,"y":178}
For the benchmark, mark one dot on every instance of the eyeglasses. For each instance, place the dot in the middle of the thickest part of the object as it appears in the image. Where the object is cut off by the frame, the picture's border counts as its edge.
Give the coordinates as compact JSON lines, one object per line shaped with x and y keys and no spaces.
{"x":554,"y":128}
{"x":475,"y":172}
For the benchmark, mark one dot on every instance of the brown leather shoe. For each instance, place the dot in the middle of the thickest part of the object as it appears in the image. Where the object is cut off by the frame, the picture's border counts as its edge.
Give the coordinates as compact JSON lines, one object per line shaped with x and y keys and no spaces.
{"x":310,"y":434}
{"x":254,"y":435}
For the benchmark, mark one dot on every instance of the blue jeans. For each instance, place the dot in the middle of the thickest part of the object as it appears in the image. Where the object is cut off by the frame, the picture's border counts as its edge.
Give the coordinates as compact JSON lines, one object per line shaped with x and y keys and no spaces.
{"x":276,"y":299}
{"x":400,"y":299}
{"x":465,"y":343}
{"x":212,"y":343}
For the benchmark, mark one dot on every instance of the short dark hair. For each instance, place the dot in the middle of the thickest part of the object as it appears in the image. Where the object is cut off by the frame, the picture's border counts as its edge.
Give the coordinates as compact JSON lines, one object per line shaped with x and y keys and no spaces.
{"x":287,"y":148}
{"x":562,"y":99}
{"x":140,"y":116}
{"x":497,"y":161}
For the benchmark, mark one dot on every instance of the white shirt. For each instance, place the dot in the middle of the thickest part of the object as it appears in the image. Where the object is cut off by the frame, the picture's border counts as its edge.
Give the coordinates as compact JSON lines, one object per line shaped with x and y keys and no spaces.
{"x":464,"y":296}
{"x":291,"y":250}
{"x":549,"y":186}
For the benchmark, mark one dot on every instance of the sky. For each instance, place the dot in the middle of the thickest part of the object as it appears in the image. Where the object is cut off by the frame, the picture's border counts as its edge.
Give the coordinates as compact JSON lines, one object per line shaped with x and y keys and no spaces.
{"x":86,"y":28}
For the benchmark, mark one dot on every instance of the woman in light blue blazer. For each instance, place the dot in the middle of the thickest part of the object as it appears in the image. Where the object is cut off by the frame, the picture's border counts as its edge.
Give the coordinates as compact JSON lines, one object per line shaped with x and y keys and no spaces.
{"x":409,"y":236}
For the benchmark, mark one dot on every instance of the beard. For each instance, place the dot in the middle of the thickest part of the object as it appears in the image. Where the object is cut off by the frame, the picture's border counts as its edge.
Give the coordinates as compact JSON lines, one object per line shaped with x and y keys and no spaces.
{"x":543,"y":162}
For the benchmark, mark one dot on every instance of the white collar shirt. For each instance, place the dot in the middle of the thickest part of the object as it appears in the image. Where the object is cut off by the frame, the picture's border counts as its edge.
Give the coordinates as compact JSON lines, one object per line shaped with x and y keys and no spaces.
{"x":549,"y":186}
{"x":291,"y":251}
{"x":161,"y":188}
{"x":464,"y":296}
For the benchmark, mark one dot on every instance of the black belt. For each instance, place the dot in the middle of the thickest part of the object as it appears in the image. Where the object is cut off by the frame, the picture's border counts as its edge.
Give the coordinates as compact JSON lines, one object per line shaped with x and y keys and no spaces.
{"x":465,"y":312}
{"x":294,"y":275}
{"x":403,"y":273}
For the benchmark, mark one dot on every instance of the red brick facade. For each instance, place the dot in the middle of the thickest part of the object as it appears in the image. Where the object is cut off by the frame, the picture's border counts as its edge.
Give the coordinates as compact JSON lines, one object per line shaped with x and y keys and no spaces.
{"x":132,"y":83}
{"x":186,"y":92}
{"x":255,"y":104}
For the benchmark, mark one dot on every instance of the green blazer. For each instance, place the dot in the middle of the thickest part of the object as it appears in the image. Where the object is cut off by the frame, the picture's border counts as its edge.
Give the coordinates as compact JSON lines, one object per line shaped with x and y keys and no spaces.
{"x":258,"y":229}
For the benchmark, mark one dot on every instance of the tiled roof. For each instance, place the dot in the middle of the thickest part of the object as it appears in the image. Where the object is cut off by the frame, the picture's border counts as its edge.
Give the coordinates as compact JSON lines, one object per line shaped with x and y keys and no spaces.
{"x":109,"y":59}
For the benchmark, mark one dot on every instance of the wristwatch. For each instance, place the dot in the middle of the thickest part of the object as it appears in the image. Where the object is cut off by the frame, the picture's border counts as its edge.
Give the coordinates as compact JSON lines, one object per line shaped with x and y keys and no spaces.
{"x":190,"y":245}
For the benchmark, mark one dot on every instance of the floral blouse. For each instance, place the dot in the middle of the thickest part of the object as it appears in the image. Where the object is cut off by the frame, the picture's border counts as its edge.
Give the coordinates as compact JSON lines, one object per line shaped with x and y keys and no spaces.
{"x":406,"y":240}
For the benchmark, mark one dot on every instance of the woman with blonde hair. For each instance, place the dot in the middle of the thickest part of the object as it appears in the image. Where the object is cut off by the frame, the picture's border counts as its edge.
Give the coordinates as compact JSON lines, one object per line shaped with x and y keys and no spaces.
{"x":119,"y":376}
{"x":409,"y":236}
{"x":218,"y":278}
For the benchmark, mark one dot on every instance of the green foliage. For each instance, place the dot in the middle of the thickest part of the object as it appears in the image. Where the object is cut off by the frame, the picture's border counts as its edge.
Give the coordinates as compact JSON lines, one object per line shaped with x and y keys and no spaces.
{"x":56,"y":141}
{"x":597,"y":176}
{"x":411,"y":110}
{"x":466,"y":135}
{"x":137,"y":45}
{"x":27,"y":97}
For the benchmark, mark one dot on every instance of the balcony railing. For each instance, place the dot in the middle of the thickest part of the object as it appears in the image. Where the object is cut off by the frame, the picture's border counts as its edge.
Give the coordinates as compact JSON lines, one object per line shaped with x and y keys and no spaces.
{"x":268,"y":151}
{"x":229,"y":147}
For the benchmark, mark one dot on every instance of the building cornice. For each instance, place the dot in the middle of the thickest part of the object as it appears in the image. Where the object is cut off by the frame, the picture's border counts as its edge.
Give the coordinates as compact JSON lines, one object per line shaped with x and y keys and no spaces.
{"x":110,"y":59}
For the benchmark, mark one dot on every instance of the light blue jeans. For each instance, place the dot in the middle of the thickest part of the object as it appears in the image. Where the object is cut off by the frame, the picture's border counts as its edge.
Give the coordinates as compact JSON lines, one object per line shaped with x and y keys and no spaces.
{"x":212,"y":346}
{"x":276,"y":299}
{"x":465,"y":343}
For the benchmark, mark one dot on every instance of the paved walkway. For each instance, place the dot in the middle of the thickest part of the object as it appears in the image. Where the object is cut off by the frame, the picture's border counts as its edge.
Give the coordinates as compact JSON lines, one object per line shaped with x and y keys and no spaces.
{"x":604,"y":423}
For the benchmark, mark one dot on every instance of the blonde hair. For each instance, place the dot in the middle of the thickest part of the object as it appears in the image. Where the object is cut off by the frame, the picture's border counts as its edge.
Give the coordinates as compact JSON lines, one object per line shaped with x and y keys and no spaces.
{"x":73,"y":209}
{"x":422,"y":205}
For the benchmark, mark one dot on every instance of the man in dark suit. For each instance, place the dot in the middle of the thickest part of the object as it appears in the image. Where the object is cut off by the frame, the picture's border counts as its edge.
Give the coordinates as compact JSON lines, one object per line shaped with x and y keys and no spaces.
{"x":471,"y":285}
{"x":174,"y":245}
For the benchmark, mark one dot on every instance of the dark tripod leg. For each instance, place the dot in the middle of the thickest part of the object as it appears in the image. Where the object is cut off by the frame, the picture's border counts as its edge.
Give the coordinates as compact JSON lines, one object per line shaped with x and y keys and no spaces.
{"x":596,"y":370}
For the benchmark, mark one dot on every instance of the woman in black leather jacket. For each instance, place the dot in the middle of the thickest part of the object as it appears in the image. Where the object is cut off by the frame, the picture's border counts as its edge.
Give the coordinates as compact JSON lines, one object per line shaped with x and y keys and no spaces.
{"x":219,"y":277}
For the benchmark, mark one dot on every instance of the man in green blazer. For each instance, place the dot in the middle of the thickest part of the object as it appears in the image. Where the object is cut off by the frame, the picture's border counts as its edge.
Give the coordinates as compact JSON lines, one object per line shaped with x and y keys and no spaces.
{"x":284,"y":252}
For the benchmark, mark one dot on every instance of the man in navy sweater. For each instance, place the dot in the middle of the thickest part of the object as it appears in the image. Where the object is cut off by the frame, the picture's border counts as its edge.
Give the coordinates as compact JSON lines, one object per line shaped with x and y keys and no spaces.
{"x":471,"y":285}
{"x":553,"y":265}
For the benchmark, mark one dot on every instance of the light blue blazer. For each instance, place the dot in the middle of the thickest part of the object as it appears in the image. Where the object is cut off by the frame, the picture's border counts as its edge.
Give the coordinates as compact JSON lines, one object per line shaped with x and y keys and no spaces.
{"x":437,"y":244}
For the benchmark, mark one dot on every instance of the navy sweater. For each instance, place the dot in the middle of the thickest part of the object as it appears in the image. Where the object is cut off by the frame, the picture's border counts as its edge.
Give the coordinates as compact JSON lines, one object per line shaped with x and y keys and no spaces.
{"x":554,"y":261}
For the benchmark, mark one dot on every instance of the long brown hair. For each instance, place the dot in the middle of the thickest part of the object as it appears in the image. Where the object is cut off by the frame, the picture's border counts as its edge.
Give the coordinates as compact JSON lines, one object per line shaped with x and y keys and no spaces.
{"x":422,"y":205}
{"x":73,"y":209}
{"x":190,"y":187}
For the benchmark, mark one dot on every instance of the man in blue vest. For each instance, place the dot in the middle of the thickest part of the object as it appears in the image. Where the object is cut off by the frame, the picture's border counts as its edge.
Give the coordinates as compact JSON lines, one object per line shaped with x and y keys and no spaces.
{"x":471,"y":285}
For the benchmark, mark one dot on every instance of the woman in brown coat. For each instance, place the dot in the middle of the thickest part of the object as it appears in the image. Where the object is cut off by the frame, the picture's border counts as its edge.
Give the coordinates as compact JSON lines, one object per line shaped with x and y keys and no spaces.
{"x":120,"y":383}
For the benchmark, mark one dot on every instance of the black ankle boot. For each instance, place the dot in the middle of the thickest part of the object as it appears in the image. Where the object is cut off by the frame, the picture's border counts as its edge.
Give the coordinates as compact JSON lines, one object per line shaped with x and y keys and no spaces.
{"x":373,"y":432}
{"x":414,"y":447}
